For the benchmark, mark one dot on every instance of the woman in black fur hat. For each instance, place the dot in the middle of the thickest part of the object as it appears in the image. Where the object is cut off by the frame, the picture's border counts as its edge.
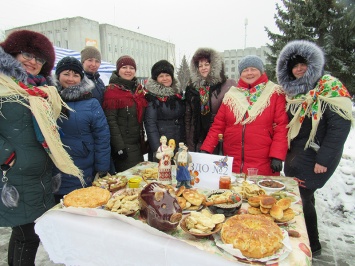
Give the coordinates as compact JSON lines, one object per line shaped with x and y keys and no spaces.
{"x":320,"y":113}
{"x":204,"y":95}
{"x":166,"y":109}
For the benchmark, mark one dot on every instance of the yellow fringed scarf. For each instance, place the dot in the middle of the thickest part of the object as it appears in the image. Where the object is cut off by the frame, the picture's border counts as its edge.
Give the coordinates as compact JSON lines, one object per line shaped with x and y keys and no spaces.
{"x":329,"y":92}
{"x":238,"y":103}
{"x":46,"y":113}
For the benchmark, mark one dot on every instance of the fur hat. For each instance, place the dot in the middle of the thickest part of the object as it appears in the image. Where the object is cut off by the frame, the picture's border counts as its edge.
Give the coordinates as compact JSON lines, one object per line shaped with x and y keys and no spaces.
{"x":90,"y":52}
{"x":69,"y":63}
{"x":34,"y":43}
{"x":125,"y":60}
{"x":162,"y":66}
{"x":294,"y":51}
{"x":251,"y":61}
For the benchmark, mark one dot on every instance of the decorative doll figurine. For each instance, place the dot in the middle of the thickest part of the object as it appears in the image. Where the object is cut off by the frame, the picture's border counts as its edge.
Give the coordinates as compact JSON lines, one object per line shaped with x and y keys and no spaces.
{"x":164,"y":155}
{"x":183,"y":160}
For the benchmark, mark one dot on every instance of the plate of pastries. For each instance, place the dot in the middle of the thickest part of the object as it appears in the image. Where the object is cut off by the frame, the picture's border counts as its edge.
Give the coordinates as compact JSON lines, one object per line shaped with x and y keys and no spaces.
{"x":190,"y":199}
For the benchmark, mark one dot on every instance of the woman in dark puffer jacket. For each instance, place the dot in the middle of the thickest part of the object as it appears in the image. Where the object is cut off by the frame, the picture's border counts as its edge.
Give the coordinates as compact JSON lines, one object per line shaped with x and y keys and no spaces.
{"x":165,"y":112}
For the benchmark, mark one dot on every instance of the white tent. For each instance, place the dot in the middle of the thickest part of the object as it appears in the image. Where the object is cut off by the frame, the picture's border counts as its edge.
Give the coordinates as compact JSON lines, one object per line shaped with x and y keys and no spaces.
{"x":105,"y":68}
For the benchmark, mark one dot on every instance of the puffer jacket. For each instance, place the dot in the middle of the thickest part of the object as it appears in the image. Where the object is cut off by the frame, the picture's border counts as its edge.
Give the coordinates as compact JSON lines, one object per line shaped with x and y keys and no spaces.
{"x":86,"y":135}
{"x":99,"y":89}
{"x":251,"y":143}
{"x":164,"y":114}
{"x":196,"y":124}
{"x":332,"y":130}
{"x":31,"y":174}
{"x":124,"y":106}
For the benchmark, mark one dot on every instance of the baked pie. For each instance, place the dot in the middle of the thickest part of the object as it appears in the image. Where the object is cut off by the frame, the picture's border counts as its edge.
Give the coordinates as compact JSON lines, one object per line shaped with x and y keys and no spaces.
{"x":89,"y":197}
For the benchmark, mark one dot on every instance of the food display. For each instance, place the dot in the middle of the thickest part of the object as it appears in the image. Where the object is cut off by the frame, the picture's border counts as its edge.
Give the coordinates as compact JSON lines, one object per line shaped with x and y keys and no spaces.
{"x":202,"y":223}
{"x":271,"y":185}
{"x":90,"y":197}
{"x":232,"y":202}
{"x":256,"y":236}
{"x":189,"y":199}
{"x":247,"y":190}
{"x":160,"y":207}
{"x":111,"y":182}
{"x":150,"y":173}
{"x":125,"y":202}
{"x":279,"y":210}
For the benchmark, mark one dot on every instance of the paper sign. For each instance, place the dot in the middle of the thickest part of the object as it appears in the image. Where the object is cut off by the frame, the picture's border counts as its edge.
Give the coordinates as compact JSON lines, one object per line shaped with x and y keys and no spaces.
{"x":209,"y":168}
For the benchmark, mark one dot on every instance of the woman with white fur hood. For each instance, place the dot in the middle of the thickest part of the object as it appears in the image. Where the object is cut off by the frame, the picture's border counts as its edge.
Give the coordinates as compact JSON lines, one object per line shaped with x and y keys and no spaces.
{"x":320,"y":113}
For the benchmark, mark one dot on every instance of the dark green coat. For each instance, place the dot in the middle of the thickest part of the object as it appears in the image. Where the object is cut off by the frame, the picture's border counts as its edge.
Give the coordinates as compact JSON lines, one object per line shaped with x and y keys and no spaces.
{"x":31,"y":174}
{"x":124,"y":106}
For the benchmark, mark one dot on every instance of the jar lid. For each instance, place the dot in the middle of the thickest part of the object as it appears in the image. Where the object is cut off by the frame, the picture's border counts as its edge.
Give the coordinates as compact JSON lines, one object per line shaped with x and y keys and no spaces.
{"x":225,"y":177}
{"x":135,"y":180}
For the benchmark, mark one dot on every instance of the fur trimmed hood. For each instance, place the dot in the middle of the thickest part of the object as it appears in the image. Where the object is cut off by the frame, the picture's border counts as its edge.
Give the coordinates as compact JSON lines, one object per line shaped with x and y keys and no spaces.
{"x":77,"y":92}
{"x":11,"y":67}
{"x":216,"y":75}
{"x":314,"y":57}
{"x":155,"y":88}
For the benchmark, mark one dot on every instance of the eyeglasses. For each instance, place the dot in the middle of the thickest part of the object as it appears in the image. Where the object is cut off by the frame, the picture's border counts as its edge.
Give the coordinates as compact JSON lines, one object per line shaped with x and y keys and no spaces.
{"x":29,"y":56}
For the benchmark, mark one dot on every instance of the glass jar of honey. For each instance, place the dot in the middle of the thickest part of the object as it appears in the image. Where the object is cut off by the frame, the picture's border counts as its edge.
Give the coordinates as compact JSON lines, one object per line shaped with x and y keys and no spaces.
{"x":224,"y":182}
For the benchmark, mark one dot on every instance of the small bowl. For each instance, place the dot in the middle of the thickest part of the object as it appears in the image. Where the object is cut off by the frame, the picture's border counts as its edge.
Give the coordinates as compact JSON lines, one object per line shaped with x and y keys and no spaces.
{"x":216,"y":229}
{"x":227,"y":209}
{"x":270,"y":189}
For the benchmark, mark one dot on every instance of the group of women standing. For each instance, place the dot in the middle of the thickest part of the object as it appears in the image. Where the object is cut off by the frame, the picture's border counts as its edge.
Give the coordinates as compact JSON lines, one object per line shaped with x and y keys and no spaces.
{"x":56,"y":135}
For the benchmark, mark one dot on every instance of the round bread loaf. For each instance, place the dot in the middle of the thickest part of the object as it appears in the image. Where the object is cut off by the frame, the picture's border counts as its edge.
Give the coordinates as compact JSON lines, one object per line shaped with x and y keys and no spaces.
{"x":89,"y":197}
{"x":254,"y":210}
{"x":256,"y":236}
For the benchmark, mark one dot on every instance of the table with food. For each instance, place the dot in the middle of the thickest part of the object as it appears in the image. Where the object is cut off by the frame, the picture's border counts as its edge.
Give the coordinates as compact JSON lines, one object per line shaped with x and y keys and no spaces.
{"x":132,"y":219}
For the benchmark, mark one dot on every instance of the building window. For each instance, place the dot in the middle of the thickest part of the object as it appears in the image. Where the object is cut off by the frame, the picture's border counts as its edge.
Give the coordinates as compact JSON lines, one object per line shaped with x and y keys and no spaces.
{"x":233,"y":61}
{"x":226,"y":69}
{"x":233,"y":69}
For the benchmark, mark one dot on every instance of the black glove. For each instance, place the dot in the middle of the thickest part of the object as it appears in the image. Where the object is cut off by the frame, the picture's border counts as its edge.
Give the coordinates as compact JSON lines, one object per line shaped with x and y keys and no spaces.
{"x":202,"y":151}
{"x":102,"y":174}
{"x":276,"y":165}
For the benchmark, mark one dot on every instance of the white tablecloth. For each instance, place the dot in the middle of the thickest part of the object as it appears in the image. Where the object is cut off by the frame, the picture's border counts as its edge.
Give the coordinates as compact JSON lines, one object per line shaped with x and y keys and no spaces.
{"x":83,"y":240}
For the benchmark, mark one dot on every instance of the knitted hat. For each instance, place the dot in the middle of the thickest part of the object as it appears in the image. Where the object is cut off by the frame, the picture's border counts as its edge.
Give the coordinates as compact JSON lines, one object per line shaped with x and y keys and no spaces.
{"x":162,"y":66}
{"x":90,"y":52}
{"x":125,"y":60}
{"x":251,"y":61}
{"x":69,"y":63}
{"x":294,"y":60}
{"x":33,"y":43}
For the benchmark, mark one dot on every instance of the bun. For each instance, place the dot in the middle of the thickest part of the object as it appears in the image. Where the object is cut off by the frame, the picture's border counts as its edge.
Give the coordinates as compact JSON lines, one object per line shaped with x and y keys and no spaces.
{"x":276,"y":212}
{"x":256,"y":236}
{"x":264,"y":210}
{"x":267,"y":202}
{"x":254,"y":210}
{"x":289,"y":214}
{"x":254,"y":201}
{"x":284,"y":203}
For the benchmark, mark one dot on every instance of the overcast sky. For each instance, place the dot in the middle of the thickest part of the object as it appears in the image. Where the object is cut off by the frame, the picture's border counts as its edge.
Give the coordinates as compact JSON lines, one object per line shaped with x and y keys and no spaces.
{"x":189,"y":24}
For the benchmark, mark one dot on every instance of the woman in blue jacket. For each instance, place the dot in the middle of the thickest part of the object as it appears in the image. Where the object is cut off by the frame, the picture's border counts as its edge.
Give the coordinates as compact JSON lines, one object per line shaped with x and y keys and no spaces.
{"x":85,"y":133}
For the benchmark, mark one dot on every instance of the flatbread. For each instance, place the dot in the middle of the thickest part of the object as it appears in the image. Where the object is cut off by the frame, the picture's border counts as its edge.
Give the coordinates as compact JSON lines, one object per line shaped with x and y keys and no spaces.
{"x":90,"y":197}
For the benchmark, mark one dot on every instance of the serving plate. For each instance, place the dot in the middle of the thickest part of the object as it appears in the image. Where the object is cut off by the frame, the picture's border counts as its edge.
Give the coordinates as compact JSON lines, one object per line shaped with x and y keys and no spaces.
{"x":216,"y":229}
{"x":271,"y":189}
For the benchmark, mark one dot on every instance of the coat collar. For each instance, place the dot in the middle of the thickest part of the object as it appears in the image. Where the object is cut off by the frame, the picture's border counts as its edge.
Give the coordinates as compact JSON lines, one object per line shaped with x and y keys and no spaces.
{"x":159,"y":90}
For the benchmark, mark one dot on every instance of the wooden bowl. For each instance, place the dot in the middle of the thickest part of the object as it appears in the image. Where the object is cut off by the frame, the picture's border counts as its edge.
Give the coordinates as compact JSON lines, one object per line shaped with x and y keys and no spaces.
{"x":216,"y":229}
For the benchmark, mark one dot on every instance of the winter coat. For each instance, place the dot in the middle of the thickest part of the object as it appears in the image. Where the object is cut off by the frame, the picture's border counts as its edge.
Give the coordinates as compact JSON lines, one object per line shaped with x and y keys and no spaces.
{"x":315,"y":93}
{"x":253,"y":132}
{"x":196,"y":123}
{"x":31,"y":173}
{"x":99,"y":90}
{"x":124,"y":105}
{"x":86,"y":135}
{"x":164,"y":114}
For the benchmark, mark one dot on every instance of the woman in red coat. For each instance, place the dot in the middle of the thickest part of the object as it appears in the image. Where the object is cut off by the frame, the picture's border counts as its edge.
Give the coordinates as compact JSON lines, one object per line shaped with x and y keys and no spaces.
{"x":253,"y":120}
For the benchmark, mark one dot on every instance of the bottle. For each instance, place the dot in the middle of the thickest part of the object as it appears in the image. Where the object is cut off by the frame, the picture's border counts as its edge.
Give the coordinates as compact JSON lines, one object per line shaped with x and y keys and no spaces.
{"x":220,"y":144}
